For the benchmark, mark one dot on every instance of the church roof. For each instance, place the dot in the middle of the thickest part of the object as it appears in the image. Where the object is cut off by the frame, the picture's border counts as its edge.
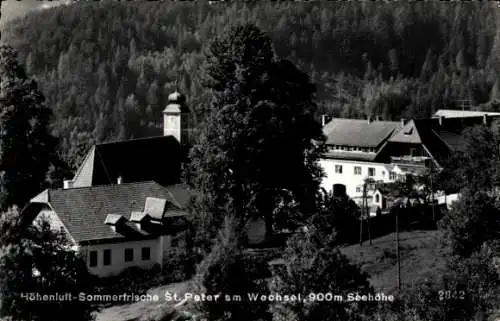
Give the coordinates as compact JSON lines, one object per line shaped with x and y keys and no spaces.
{"x":155,"y":158}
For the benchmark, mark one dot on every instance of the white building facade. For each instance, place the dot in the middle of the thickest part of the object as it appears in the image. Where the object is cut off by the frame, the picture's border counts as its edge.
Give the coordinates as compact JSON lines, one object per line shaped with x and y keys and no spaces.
{"x":352,"y":174}
{"x":352,"y":149}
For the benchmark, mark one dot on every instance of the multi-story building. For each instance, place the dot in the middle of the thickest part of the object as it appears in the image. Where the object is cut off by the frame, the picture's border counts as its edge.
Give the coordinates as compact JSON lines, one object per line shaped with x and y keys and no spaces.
{"x":386,"y":150}
{"x":352,"y":149}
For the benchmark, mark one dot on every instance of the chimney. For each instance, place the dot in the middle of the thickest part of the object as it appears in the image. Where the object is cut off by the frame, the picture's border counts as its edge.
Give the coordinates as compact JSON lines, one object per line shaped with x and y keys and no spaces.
{"x":441,"y":120}
{"x":175,"y":117}
{"x":485,"y":119}
{"x":119,"y":180}
{"x":403,"y":122}
{"x":67,"y":183}
{"x":324,"y":119}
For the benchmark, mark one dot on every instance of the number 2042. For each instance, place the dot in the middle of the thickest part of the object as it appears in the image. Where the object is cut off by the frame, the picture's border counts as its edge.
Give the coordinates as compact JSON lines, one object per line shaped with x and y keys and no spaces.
{"x":451,"y":295}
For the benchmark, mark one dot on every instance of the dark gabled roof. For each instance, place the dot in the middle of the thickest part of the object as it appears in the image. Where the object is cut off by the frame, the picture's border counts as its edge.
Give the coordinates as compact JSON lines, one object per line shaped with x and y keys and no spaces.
{"x":155,"y":158}
{"x":454,"y":141}
{"x":84,"y":210}
{"x":358,"y":132}
{"x":438,"y":136}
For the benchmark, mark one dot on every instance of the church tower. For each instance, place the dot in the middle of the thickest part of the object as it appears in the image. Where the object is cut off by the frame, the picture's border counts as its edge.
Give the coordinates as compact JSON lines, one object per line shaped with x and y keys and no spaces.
{"x":175,"y":118}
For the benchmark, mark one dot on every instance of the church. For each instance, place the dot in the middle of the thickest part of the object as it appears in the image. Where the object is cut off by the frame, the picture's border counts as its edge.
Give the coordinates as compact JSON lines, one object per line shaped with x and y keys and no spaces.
{"x":125,"y":204}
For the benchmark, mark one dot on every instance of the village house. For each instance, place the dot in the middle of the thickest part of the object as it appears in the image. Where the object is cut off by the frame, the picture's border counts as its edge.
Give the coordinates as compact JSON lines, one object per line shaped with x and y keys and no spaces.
{"x":352,"y":147}
{"x":385,"y":151}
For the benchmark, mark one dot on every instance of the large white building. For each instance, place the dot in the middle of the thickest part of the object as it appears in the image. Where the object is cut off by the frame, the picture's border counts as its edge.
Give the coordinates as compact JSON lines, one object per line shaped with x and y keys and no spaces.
{"x":385,"y":151}
{"x":352,"y":149}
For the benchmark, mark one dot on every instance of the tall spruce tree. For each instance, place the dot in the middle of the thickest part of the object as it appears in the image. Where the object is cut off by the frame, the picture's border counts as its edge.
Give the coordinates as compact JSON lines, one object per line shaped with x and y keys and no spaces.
{"x":26,"y":145}
{"x":257,"y":146}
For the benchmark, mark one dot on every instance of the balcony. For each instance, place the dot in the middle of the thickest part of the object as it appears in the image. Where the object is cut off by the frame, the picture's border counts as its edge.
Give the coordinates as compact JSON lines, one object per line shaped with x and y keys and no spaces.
{"x":423,"y":161}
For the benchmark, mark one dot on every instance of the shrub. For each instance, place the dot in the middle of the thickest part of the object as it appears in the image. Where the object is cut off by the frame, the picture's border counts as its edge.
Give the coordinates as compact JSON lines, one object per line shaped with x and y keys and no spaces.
{"x":314,"y":265}
{"x":227,"y":271}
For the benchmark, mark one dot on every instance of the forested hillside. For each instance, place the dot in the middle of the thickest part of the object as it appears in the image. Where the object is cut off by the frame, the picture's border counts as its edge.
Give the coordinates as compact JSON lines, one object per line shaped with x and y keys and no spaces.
{"x":106,"y":68}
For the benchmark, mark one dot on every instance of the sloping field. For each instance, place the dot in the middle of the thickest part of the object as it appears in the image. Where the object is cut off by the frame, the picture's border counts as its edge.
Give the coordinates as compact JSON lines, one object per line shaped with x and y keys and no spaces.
{"x":421,"y":252}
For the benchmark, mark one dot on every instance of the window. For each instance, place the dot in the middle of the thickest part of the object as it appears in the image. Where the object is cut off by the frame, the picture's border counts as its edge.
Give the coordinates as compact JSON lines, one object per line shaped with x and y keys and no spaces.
{"x":129,"y":255}
{"x":338,"y":169}
{"x":93,"y":259}
{"x":357,"y":170}
{"x":392,"y":176}
{"x":106,"y":260}
{"x":146,"y":253}
{"x":358,"y":189}
{"x":371,"y":171}
{"x":377,"y":198}
{"x":383,"y":173}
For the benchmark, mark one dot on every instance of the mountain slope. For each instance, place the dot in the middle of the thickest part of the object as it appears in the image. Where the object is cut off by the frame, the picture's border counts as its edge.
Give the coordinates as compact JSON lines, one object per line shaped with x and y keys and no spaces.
{"x":106,"y":68}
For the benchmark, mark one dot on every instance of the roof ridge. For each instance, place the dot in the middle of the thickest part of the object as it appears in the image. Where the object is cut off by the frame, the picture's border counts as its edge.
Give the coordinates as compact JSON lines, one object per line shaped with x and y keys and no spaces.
{"x":363,"y":120}
{"x":105,"y":185}
{"x":83,"y":162}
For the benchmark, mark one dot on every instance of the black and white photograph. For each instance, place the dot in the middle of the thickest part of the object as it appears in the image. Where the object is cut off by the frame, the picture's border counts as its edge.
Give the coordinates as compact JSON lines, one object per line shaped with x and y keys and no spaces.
{"x":249,"y":160}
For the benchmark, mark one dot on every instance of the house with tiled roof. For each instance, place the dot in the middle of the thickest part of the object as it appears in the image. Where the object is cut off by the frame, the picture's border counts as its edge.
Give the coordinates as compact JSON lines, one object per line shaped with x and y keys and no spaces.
{"x":352,"y":148}
{"x":116,"y":226}
{"x":386,"y":151}
{"x":125,"y":205}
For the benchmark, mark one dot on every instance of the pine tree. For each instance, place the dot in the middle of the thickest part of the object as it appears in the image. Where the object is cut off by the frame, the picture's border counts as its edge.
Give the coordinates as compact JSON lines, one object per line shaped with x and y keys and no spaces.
{"x":259,"y":129}
{"x":27,"y":147}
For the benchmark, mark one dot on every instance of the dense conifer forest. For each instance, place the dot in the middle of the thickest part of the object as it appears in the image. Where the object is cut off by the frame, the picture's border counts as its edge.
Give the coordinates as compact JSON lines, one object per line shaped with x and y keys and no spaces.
{"x":106,"y":68}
